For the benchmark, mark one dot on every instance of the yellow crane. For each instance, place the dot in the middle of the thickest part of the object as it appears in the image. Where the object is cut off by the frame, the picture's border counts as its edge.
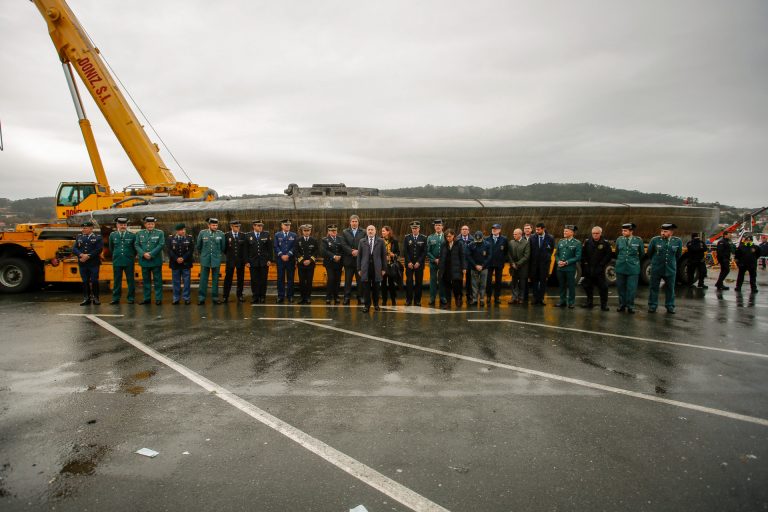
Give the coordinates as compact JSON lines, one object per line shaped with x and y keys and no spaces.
{"x":77,"y":53}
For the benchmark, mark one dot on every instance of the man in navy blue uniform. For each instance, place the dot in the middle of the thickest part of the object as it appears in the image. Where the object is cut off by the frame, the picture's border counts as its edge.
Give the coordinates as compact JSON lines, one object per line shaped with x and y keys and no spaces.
{"x":285,"y":242}
{"x":236,"y":249}
{"x":87,"y":248}
{"x":333,"y":255}
{"x":542,"y":245}
{"x":498,"y":243}
{"x":181,"y":248}
{"x":414,"y":254}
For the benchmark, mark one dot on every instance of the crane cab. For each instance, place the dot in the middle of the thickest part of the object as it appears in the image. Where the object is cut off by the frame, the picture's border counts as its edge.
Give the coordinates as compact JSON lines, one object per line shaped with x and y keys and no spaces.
{"x":78,"y":197}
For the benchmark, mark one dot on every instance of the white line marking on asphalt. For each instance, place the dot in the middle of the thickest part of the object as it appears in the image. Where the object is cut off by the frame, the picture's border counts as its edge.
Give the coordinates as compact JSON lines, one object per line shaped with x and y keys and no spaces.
{"x":635,"y":394}
{"x":623,"y":336}
{"x":357,"y":469}
{"x":297,"y":305}
{"x":84,"y":314}
{"x":283,"y":318}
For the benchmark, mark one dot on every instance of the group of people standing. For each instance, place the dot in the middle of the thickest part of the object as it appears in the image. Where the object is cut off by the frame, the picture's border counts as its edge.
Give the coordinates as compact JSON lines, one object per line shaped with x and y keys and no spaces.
{"x":463,"y":266}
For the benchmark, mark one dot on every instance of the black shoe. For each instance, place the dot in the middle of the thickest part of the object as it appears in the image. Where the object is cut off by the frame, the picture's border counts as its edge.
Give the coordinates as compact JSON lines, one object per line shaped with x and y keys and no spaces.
{"x":560,"y":305}
{"x":86,"y":301}
{"x":346,"y":301}
{"x":473,"y":303}
{"x":113,"y":302}
{"x":721,"y":287}
{"x":187,"y":302}
{"x":96,"y":301}
{"x":754,"y":290}
{"x":376,"y":308}
{"x":365,"y":309}
{"x":703,"y":286}
{"x":336,"y":302}
{"x":145,"y":302}
{"x":175,"y":303}
{"x":631,"y":311}
{"x":158,"y":302}
{"x":290,"y":300}
{"x":737,"y":289}
{"x":254,"y":301}
{"x":407,"y":303}
{"x":571,"y":306}
{"x":130,"y":301}
{"x":219,"y":301}
{"x":327,"y":301}
{"x":605,"y":308}
{"x":280,"y":300}
{"x":651,"y":309}
{"x":240,"y":299}
{"x":621,"y":309}
{"x":671,"y":310}
{"x":200,"y":302}
{"x":431,"y":303}
{"x":587,"y":305}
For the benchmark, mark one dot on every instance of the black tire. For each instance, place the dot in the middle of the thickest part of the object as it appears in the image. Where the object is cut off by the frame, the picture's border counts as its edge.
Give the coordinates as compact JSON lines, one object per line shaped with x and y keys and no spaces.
{"x":645,"y":271}
{"x":16,"y":275}
{"x":610,"y":273}
{"x":682,"y":271}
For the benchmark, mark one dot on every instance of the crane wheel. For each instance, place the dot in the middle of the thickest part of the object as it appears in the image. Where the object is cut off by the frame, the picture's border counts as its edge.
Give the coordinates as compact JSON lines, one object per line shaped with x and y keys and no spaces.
{"x":16,"y":275}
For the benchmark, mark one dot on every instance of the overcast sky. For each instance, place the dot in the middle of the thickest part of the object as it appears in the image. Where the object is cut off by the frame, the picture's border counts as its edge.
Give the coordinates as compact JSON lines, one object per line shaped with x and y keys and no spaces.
{"x":660,"y":96}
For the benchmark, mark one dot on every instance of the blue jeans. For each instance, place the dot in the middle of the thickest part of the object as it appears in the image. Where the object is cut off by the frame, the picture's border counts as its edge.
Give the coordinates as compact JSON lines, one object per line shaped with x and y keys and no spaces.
{"x":179,"y":275}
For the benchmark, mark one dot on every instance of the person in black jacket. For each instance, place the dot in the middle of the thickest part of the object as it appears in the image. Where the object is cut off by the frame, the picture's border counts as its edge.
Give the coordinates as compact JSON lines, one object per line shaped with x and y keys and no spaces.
{"x":333,"y":256}
{"x":235,"y":247}
{"x":595,"y":256}
{"x":724,"y":252}
{"x":542,"y":245}
{"x":391,"y":281}
{"x":696,"y":250}
{"x":350,"y":240}
{"x":259,"y":256}
{"x":763,"y":251}
{"x":747,"y":254}
{"x":88,"y":247}
{"x":307,"y":251}
{"x":414,"y":252}
{"x":451,"y":268}
{"x":181,"y":248}
{"x":498,"y":244}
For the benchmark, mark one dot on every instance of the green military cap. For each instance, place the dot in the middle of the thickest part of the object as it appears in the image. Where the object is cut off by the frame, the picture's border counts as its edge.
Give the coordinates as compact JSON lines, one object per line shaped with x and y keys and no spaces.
{"x":86,"y":224}
{"x":437,"y":221}
{"x":572,"y":227}
{"x":121,"y":220}
{"x":212,"y":220}
{"x":669,"y":225}
{"x":629,"y":225}
{"x":179,"y":226}
{"x":149,"y":218}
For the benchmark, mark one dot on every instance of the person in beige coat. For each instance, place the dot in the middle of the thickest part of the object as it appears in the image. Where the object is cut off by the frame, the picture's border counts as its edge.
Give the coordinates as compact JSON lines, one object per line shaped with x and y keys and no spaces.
{"x":519,"y":254}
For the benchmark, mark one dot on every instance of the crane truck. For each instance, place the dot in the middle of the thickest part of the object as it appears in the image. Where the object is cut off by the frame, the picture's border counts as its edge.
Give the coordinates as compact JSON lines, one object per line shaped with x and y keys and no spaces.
{"x":35,"y":252}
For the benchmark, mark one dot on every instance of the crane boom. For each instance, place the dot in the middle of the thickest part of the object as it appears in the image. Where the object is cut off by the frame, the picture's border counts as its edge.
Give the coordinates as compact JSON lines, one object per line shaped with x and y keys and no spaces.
{"x":75,"y":48}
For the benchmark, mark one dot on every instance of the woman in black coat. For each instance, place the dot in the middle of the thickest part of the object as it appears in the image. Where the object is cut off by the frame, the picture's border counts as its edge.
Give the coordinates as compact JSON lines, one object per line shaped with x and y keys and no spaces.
{"x":451,"y":268}
{"x":390,"y":283}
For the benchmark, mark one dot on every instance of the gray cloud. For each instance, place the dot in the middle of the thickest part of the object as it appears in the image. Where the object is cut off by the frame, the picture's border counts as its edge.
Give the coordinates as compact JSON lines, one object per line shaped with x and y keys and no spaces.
{"x":658,"y":96}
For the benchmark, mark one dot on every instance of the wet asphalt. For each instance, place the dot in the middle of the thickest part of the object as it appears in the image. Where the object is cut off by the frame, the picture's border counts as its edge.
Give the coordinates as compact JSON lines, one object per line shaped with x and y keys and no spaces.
{"x":76,"y":402}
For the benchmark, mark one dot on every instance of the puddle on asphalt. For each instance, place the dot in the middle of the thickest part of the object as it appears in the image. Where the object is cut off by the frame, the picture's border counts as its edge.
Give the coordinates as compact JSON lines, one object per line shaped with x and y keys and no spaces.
{"x":129,"y":385}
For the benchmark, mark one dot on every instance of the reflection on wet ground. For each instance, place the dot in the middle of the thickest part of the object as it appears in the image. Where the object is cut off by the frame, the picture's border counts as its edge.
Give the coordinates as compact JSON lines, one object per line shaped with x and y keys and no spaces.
{"x":77,"y":403}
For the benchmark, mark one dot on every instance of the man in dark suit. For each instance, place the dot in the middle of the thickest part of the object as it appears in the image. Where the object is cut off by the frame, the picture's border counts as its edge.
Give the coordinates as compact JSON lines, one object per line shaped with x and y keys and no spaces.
{"x":259,"y":257}
{"x":371,"y":261}
{"x":350,"y":240}
{"x":307,"y":251}
{"x":333,"y":254}
{"x":236,"y":249}
{"x":498,"y":243}
{"x":542,"y":245}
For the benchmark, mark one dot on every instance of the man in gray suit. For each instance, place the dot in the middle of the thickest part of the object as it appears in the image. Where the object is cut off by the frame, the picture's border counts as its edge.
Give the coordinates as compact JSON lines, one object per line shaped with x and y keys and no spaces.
{"x":371,"y":259}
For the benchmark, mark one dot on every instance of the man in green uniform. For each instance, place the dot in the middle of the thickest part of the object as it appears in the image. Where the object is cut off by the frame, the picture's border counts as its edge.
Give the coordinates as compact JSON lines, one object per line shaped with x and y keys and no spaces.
{"x":149,"y":245}
{"x":210,"y":246}
{"x":664,"y":251}
{"x":435,"y":243}
{"x":629,"y":252}
{"x":568,"y":255}
{"x":122,"y":248}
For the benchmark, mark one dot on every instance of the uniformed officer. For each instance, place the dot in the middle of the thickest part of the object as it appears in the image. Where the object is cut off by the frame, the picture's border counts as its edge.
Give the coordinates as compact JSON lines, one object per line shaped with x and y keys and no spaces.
{"x":235,"y":248}
{"x":414,"y":254}
{"x":567,"y":255}
{"x":181,"y":249}
{"x":629,"y":252}
{"x":664,"y":251}
{"x":596,"y":254}
{"x":725,"y":250}
{"x":696,"y":250}
{"x":350,"y":241}
{"x":122,"y":248}
{"x":307,"y":251}
{"x":285,"y":241}
{"x":333,"y":254}
{"x":435,"y":243}
{"x":542,"y":247}
{"x":150,"y":243}
{"x":466,"y":239}
{"x":87,"y":248}
{"x":210,"y":246}
{"x":747,"y":254}
{"x":499,"y":245}
{"x":259,"y":248}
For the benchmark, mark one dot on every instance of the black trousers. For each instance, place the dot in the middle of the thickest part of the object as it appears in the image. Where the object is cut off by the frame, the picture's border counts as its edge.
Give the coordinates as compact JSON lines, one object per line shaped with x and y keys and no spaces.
{"x":349,"y":273}
{"x":691,"y":271}
{"x":388,"y":288}
{"x":371,"y":288}
{"x":452,"y":287}
{"x":494,"y":277}
{"x":414,"y":282}
{"x":306,"y":275}
{"x":539,"y":274}
{"x":725,"y":269}
{"x":334,"y":281}
{"x":89,"y":274}
{"x":229,"y":274}
{"x":752,"y":270}
{"x":259,"y":281}
{"x":596,"y":279}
